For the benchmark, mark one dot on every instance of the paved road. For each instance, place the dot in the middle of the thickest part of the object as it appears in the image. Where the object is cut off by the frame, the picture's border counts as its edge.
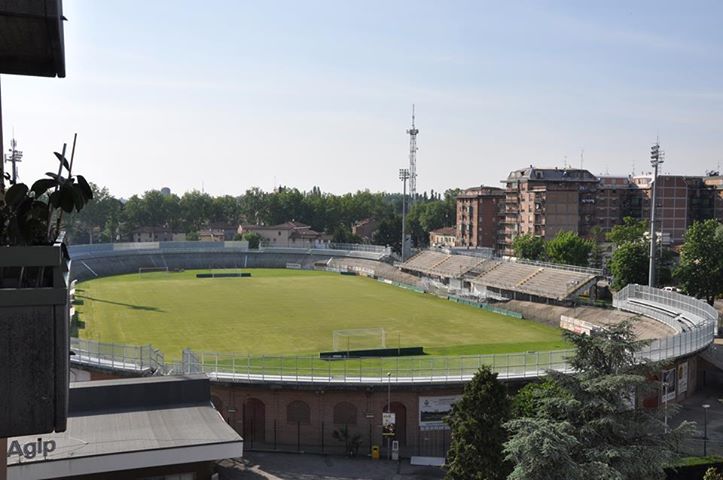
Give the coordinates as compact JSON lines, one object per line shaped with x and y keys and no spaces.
{"x":692,"y":410}
{"x":288,"y":466}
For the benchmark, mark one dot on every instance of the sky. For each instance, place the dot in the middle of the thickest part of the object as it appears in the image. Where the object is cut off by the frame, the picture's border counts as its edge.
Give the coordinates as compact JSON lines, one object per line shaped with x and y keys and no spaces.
{"x":221,"y":96}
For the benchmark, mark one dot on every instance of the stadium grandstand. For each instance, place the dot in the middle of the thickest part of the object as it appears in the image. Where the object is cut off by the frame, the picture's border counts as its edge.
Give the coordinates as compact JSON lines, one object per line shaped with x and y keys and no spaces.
{"x":102,"y":260}
{"x":503,"y":279}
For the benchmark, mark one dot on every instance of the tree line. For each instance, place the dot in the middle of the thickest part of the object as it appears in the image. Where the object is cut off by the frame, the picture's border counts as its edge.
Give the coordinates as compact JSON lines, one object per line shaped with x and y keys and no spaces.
{"x":110,"y":219}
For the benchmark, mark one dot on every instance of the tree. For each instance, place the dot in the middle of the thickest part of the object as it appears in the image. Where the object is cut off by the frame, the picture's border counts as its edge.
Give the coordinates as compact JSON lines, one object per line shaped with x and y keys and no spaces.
{"x":700,"y":271}
{"x":352,"y":441}
{"x":253,"y":238}
{"x":101,"y":214}
{"x":631,"y":230}
{"x":529,"y":246}
{"x":529,"y":398}
{"x":389,"y":232}
{"x":592,"y":427}
{"x":568,"y":248}
{"x":476,"y":421}
{"x":629,"y":264}
{"x":595,"y":259}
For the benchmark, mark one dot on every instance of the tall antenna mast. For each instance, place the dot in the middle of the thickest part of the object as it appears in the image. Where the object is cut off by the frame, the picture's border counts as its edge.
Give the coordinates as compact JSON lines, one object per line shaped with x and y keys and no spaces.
{"x":15,"y":156}
{"x":413,"y":160}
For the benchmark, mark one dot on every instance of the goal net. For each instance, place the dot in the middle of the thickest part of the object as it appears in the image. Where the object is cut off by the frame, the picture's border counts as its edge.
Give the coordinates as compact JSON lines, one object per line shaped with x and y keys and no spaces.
{"x":143,"y":270}
{"x":358,"y":339}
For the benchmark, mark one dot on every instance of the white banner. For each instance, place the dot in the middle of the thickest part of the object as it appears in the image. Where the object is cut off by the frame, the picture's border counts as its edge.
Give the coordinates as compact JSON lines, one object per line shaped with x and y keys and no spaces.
{"x":432,"y":410}
{"x":389,"y":424}
{"x":668,"y":385}
{"x":683,"y":377}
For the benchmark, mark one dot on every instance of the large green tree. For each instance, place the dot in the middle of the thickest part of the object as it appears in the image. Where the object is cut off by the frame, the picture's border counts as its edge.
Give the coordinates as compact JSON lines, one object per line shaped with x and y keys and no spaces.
{"x":629,"y":264}
{"x":529,"y":246}
{"x":476,"y":421}
{"x":592,"y":426}
{"x":568,"y":248}
{"x":631,"y":230}
{"x":700,"y":271}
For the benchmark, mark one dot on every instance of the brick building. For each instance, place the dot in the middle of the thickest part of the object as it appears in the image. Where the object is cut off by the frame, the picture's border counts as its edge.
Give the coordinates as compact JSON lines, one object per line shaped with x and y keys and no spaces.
{"x":544,"y":201}
{"x":480,"y":211}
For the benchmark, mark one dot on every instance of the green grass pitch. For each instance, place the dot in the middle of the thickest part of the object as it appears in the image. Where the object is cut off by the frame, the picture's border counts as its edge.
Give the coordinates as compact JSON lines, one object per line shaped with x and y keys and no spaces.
{"x":280,"y":312}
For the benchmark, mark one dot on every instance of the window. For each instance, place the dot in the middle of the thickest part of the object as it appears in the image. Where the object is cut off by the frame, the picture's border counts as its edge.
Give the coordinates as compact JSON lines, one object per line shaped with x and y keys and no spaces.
{"x":298,"y":412}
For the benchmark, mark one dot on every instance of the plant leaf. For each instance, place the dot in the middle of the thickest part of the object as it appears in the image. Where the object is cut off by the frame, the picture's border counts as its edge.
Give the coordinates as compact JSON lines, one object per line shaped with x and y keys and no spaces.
{"x":58,"y":178}
{"x":62,"y":160}
{"x":78,"y":197}
{"x":15,"y":194}
{"x":83,"y":184}
{"x":54,"y":199}
{"x":43,"y":185}
{"x":67,"y":200}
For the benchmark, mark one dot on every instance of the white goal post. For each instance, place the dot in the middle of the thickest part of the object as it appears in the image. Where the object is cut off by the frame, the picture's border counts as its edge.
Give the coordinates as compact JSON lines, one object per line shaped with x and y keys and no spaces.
{"x":152,"y":269}
{"x":358,"y":339}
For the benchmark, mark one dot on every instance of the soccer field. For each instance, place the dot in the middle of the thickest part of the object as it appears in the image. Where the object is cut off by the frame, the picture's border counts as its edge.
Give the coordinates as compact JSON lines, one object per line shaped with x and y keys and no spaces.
{"x":278,"y":311}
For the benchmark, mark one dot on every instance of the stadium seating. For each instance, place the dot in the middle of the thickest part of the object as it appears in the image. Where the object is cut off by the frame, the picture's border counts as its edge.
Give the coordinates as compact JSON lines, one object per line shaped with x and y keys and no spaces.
{"x":442,"y":264}
{"x":534,"y":280}
{"x":90,"y":261}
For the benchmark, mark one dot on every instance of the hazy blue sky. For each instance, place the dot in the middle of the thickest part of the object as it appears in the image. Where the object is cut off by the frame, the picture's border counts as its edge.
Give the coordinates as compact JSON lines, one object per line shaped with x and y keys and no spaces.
{"x":233,"y":94}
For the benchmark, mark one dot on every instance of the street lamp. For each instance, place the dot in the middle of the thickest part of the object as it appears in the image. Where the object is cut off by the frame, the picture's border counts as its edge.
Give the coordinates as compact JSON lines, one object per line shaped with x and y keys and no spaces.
{"x":705,"y":429}
{"x":404,"y":176}
{"x":665,"y":400}
{"x":389,"y":409}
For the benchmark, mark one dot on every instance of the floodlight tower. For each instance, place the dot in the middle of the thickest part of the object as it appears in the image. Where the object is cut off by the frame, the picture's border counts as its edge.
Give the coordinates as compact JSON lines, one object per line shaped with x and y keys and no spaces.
{"x":656,"y":158}
{"x":413,"y":159}
{"x":15,"y":156}
{"x":404,"y":175}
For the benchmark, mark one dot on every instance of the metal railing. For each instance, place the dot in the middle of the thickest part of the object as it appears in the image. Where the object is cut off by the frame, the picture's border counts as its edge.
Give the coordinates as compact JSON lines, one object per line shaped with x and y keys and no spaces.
{"x":361,"y":247}
{"x":693,"y":320}
{"x":142,"y":359}
{"x":559,"y":266}
{"x":409,"y":370}
{"x":433,"y":369}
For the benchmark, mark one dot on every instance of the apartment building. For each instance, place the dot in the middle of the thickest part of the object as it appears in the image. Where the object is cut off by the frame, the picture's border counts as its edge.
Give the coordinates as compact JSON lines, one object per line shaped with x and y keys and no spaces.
{"x":480,"y":212}
{"x":544,"y":201}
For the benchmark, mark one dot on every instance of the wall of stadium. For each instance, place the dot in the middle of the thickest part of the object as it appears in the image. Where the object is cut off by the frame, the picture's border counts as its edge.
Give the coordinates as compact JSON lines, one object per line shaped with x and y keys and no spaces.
{"x":278,"y":414}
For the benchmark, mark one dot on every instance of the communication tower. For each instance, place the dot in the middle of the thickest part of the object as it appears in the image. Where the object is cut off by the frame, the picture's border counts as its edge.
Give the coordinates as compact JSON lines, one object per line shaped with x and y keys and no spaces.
{"x":413,"y":160}
{"x":15,"y":156}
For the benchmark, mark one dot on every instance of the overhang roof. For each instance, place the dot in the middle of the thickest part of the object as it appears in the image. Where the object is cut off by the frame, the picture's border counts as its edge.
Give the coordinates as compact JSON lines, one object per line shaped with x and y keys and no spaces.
{"x":117,"y":425}
{"x":31,"y":38}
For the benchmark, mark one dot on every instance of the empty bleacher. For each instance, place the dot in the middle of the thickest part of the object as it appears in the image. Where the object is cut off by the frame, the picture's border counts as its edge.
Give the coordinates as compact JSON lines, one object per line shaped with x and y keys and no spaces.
{"x":534,"y":280}
{"x":443,"y":265}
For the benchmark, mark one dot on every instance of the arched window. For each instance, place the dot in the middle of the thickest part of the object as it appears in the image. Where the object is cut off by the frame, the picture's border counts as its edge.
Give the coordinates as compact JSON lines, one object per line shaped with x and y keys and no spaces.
{"x":345,"y":414}
{"x":298,"y":412}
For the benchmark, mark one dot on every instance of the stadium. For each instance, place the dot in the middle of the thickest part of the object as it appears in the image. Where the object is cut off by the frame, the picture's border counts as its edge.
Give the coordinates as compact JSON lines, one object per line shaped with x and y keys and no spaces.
{"x":301,"y":343}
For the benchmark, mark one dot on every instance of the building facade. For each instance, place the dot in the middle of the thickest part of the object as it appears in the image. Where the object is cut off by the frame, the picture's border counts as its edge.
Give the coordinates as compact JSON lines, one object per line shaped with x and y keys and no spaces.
{"x":545,"y":201}
{"x":480,"y":211}
{"x":289,"y":234}
{"x":443,"y":237}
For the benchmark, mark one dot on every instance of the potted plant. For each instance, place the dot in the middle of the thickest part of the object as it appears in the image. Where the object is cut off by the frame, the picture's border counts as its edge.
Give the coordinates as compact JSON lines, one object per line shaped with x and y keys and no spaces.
{"x":34,"y":304}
